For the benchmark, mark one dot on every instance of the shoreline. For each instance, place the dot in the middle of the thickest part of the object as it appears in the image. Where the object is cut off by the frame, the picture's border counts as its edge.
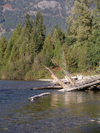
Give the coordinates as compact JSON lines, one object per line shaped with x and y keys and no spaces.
{"x":49,"y":80}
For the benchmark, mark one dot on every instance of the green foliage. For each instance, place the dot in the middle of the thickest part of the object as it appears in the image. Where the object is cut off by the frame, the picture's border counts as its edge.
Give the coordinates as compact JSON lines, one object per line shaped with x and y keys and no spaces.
{"x":16,"y":70}
{"x":58,"y":52}
{"x":36,"y":74}
{"x":7,"y":52}
{"x":48,"y":50}
{"x":82,"y":36}
{"x":81,"y":21}
{"x":39,"y":33}
{"x":71,"y":63}
{"x":12,"y":17}
{"x":28,"y":27}
{"x":39,"y":61}
{"x":82,"y":65}
{"x":10,"y":50}
{"x":48,"y":61}
{"x":93,"y":46}
{"x":54,"y":37}
{"x":93,"y":52}
{"x":48,"y":46}
{"x":29,"y":49}
{"x":3,"y":46}
{"x":57,"y":33}
{"x":69,"y":39}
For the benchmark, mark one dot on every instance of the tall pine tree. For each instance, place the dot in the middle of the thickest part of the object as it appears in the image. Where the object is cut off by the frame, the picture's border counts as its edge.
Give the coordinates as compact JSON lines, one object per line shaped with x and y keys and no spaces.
{"x":39,"y":33}
{"x":81,"y":21}
{"x":48,"y":50}
{"x":3,"y":46}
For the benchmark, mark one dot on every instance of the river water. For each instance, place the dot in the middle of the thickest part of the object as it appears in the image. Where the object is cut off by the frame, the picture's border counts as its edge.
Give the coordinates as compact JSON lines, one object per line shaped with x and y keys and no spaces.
{"x":71,"y":112}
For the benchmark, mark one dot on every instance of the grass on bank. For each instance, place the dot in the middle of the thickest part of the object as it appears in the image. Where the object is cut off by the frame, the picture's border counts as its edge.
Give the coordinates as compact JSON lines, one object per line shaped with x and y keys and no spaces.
{"x":40,"y":73}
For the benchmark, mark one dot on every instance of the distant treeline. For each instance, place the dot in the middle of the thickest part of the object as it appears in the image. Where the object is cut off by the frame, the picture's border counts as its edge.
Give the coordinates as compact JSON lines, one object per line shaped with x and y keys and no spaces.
{"x":29,"y":49}
{"x":9,"y":19}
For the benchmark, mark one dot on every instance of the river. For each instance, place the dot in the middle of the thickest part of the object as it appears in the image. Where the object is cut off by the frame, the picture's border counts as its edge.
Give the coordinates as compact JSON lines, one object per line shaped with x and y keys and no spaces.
{"x":70,"y":112}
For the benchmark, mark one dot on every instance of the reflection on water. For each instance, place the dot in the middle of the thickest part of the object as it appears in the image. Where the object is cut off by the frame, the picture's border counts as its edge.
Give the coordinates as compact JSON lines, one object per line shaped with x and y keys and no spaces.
{"x":87,"y":102}
{"x":71,"y":112}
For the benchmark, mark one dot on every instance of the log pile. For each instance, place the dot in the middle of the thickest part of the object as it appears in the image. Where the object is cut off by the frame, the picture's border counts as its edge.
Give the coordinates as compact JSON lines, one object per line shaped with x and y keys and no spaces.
{"x":83,"y":84}
{"x":87,"y":83}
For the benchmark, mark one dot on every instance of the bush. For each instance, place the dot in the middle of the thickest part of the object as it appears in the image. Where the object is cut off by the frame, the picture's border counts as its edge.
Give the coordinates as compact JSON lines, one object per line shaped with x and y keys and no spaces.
{"x":15,"y":70}
{"x":35,"y":74}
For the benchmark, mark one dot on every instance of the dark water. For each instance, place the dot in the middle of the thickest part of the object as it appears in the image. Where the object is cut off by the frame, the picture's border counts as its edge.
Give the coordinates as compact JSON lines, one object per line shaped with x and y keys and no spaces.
{"x":71,"y":112}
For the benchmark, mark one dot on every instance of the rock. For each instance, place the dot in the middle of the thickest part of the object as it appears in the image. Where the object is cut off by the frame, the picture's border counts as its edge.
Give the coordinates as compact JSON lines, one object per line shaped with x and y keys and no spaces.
{"x":48,"y":4}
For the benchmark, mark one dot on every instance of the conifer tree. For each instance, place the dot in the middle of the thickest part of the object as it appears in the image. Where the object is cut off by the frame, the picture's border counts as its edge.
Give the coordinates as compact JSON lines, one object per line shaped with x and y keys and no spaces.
{"x":25,"y":40}
{"x":3,"y":46}
{"x":14,"y":53}
{"x":82,"y":64}
{"x":93,"y":45}
{"x":48,"y":50}
{"x":61,"y":36}
{"x":96,"y":20}
{"x":28,"y":31}
{"x":70,"y":61}
{"x":81,"y":20}
{"x":57,"y":33}
{"x":15,"y":35}
{"x":48,"y":46}
{"x":8,"y":52}
{"x":54,"y":37}
{"x":69,"y":40}
{"x":39,"y":33}
{"x":28,"y":27}
{"x":19,"y":29}
{"x":58,"y":52}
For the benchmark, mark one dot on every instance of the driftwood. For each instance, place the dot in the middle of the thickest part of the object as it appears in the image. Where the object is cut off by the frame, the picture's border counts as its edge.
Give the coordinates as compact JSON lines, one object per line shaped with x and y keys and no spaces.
{"x":70,"y":80}
{"x":48,"y":87}
{"x":56,"y":78}
{"x":38,"y":96}
{"x":79,"y":85}
{"x":68,"y":77}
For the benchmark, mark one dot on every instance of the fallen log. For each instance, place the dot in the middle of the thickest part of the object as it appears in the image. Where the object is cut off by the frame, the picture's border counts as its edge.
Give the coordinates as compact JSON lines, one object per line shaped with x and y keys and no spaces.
{"x":70,"y":80}
{"x":56,"y":78}
{"x":38,"y":96}
{"x":75,"y":85}
{"x":68,"y":77}
{"x":48,"y":87}
{"x":80,"y":87}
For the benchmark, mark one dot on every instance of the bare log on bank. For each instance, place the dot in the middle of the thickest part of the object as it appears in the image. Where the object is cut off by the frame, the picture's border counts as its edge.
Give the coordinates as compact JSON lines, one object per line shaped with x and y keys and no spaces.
{"x":79,"y":85}
{"x":38,"y":96}
{"x":83,"y":84}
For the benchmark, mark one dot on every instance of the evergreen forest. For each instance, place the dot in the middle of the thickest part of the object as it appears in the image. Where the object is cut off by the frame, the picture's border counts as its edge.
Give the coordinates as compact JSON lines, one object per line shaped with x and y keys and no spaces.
{"x":77,"y":49}
{"x":12,"y":12}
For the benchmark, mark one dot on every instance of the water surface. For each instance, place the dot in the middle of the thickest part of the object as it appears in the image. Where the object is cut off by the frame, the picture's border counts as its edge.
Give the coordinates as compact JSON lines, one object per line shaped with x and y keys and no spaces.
{"x":71,"y":112}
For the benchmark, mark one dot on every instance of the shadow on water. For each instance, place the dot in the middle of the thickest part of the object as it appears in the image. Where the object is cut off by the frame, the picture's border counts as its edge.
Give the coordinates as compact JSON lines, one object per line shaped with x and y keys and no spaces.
{"x":71,"y":112}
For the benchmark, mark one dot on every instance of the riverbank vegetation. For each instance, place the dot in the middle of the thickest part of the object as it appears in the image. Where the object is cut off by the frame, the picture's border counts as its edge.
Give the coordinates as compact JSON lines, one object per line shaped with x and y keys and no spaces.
{"x":75,"y":50}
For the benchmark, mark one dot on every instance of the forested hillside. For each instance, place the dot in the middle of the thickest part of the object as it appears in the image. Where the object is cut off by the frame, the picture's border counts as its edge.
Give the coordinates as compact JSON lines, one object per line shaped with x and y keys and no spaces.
{"x":13,"y":11}
{"x":76,"y":49}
